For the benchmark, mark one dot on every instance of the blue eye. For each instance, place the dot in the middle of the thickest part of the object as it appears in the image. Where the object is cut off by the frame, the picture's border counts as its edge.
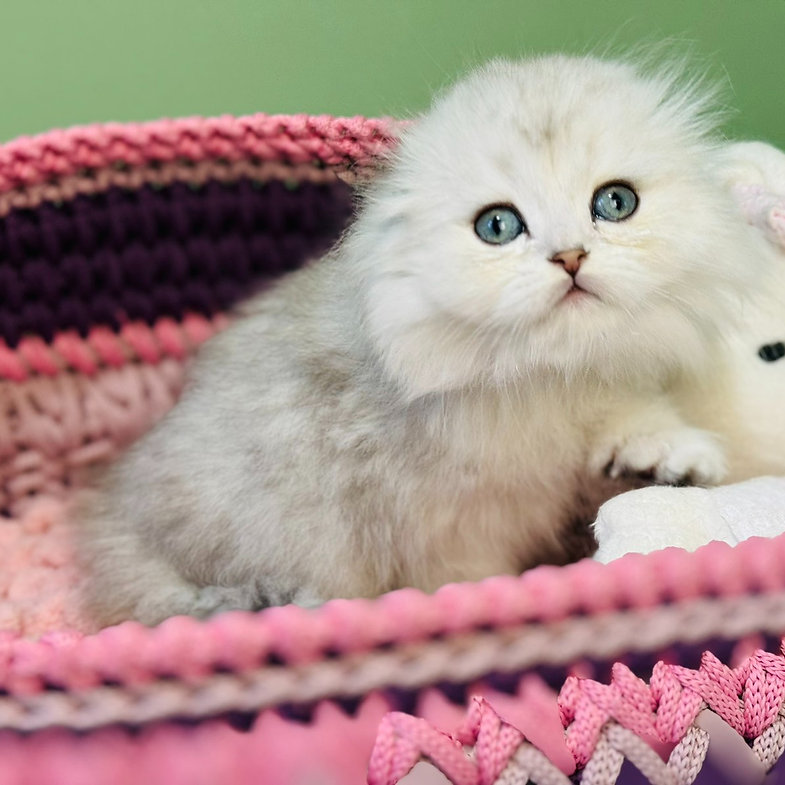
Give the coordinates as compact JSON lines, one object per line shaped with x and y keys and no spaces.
{"x":614,"y":202}
{"x":499,"y":224}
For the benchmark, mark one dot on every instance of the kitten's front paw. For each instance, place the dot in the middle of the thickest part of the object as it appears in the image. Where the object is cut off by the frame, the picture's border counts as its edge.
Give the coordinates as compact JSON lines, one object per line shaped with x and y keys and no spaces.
{"x":678,"y":456}
{"x":184,"y":599}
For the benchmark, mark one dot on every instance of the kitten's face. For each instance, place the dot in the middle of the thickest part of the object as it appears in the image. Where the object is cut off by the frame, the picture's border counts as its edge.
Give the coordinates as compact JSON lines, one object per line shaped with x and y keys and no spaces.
{"x":557,"y":213}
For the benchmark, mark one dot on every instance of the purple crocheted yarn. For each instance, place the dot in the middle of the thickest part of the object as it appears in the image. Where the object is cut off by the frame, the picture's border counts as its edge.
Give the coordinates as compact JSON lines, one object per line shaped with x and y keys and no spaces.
{"x":142,"y":254}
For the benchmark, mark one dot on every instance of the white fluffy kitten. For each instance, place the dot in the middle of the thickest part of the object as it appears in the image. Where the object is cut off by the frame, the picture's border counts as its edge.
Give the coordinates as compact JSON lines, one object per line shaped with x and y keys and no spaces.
{"x":492,"y":351}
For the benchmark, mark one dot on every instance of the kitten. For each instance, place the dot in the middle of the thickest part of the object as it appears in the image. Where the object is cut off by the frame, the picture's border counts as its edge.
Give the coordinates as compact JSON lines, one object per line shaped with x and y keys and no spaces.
{"x":489,"y":354}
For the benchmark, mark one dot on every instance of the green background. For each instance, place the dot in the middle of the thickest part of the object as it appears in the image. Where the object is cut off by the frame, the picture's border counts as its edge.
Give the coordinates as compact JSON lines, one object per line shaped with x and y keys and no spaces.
{"x":66,"y":62}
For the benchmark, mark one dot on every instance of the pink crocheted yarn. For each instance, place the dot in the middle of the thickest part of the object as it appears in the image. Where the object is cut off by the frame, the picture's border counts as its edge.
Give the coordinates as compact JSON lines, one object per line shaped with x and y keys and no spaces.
{"x":543,"y":598}
{"x":38,"y":578}
{"x":330,"y":141}
{"x":274,"y":752}
{"x":135,"y":342}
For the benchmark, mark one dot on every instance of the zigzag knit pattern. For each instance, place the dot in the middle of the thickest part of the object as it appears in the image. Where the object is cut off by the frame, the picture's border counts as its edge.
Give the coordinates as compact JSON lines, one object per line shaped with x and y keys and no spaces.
{"x":605,"y":724}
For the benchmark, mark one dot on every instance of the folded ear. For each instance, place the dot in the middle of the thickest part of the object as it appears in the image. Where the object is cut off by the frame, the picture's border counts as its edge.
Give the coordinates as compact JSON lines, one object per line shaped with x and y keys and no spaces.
{"x":755,"y":174}
{"x":776,"y":221}
{"x":763,"y":209}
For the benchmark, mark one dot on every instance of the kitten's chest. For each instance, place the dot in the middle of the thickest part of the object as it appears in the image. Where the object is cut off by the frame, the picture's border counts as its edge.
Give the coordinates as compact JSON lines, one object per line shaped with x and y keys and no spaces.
{"x":508,"y":436}
{"x":512,"y":483}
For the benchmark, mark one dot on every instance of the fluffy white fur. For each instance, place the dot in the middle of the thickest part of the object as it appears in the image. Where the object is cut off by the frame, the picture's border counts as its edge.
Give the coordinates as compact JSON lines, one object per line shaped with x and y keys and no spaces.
{"x":421,"y":407}
{"x":741,"y":397}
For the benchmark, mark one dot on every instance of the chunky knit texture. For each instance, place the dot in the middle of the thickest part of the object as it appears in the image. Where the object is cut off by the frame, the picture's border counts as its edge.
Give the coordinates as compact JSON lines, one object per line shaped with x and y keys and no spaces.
{"x":122,"y":248}
{"x":140,"y":255}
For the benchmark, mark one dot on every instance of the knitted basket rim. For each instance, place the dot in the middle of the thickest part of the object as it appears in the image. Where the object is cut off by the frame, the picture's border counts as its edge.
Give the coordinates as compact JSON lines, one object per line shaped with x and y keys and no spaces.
{"x":547,"y":616}
{"x":340,"y":142}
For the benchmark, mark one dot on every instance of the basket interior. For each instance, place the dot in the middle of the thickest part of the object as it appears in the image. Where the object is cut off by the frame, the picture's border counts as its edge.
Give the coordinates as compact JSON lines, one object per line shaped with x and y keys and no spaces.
{"x":140,"y":254}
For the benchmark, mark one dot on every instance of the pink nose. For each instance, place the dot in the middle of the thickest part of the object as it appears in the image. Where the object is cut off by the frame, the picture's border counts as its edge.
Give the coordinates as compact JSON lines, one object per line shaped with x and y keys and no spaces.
{"x":571,"y":260}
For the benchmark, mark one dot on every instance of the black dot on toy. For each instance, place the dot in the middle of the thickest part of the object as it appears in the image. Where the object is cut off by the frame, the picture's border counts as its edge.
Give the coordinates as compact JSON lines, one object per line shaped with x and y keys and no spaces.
{"x":771,"y":352}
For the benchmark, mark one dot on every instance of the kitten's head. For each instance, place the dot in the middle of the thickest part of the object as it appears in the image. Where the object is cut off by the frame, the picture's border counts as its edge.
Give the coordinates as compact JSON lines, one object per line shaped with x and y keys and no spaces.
{"x":559,"y":213}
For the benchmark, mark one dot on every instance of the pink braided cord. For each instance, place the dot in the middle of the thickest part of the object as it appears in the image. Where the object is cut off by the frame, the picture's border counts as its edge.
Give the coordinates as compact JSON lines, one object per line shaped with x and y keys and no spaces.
{"x":748,"y":698}
{"x":331,"y":141}
{"x":131,"y":652}
{"x":103,"y":347}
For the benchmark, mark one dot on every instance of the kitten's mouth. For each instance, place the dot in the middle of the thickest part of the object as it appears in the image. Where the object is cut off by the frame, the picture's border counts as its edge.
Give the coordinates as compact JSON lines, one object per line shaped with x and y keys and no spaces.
{"x":576,"y":292}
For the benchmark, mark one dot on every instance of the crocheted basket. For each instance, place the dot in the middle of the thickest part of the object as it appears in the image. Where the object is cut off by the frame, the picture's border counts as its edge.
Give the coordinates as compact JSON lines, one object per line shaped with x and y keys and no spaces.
{"x":121,"y":249}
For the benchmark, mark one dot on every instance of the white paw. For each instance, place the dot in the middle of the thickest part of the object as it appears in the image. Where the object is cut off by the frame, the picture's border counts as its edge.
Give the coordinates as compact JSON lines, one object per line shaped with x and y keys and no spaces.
{"x":677,"y":456}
